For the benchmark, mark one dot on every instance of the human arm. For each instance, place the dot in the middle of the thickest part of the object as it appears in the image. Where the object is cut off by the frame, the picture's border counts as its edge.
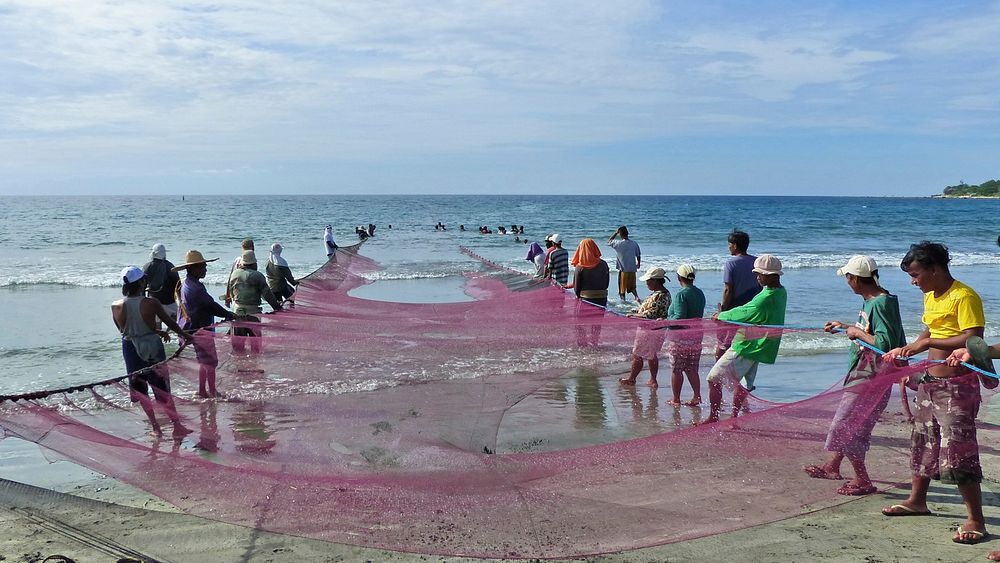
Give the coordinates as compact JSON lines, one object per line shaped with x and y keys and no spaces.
{"x":165,"y":318}
{"x":638,"y":258}
{"x":852,"y":332}
{"x":286,"y":273}
{"x":575,"y":284}
{"x":727,"y":297}
{"x":266,"y":293}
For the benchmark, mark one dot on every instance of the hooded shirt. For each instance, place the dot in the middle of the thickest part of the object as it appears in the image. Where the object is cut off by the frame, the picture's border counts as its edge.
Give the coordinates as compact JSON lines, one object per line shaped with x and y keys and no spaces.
{"x":161,"y":281}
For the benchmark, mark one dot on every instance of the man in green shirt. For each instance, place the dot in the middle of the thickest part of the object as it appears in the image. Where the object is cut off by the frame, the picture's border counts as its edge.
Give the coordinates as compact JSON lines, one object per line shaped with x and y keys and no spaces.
{"x":751,"y":345}
{"x":880,"y":326}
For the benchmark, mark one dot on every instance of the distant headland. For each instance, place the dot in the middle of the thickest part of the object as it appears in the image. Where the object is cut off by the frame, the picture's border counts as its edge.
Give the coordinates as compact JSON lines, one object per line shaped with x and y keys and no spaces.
{"x":990,"y":189}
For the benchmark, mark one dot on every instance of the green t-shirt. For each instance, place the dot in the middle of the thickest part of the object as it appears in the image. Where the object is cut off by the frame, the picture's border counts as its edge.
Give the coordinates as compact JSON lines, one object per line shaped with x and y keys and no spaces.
{"x":879,"y":316}
{"x":688,"y":303}
{"x":766,"y":308}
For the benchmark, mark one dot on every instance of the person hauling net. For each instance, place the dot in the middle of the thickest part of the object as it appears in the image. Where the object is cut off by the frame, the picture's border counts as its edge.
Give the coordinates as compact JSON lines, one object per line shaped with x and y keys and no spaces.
{"x":751,"y":346}
{"x":862,"y":402}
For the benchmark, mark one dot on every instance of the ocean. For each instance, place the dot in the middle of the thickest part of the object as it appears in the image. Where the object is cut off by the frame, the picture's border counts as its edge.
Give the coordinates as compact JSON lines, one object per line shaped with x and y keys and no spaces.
{"x":62,"y":256}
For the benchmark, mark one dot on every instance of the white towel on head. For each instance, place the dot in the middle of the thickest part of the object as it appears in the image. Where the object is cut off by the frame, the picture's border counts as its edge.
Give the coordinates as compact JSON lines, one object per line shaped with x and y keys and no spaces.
{"x":159,"y":252}
{"x":276,"y":258}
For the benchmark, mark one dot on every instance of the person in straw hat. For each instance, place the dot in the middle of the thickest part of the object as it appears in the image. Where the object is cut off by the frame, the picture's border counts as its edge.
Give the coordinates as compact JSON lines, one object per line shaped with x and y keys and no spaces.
{"x":197,"y":311}
{"x":750,"y":346}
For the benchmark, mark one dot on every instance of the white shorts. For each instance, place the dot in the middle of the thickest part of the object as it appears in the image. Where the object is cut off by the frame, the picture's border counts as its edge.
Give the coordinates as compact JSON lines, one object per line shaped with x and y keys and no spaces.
{"x":732,"y":367}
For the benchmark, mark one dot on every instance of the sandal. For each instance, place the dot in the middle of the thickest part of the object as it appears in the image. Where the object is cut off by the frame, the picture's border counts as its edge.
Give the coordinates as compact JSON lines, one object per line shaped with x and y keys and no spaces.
{"x":976,"y":536}
{"x":903,"y":510}
{"x":853,"y":490}
{"x":820,"y":472}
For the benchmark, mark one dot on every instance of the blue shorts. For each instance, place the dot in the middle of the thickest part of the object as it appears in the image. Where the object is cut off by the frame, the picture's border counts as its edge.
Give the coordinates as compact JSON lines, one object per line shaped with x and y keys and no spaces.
{"x":142,"y":372}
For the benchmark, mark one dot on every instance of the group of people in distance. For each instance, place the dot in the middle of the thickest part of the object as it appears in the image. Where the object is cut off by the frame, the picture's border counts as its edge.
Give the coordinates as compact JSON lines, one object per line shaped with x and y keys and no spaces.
{"x":948,"y":392}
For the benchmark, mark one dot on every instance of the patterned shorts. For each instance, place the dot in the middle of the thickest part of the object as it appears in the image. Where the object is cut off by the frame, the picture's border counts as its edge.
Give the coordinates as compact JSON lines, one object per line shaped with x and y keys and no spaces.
{"x":943,"y":440}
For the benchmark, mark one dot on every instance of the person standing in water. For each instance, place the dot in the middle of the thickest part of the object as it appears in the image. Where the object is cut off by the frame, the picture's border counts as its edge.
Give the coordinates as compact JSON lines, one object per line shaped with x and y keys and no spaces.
{"x":161,"y":280}
{"x":279,"y":275}
{"x":331,"y":246}
{"x":739,"y":283}
{"x":685,"y":350}
{"x":136,"y":317}
{"x":628,"y":261}
{"x":197,"y":311}
{"x":649,"y":341}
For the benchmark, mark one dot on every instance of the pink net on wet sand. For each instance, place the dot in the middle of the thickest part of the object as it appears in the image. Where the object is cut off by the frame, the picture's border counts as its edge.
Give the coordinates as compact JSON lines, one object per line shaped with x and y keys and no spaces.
{"x":431,"y":428}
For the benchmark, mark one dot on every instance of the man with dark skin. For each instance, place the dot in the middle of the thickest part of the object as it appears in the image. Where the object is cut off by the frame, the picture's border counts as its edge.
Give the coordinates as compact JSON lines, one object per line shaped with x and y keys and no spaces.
{"x":948,"y":396}
{"x":141,"y":346}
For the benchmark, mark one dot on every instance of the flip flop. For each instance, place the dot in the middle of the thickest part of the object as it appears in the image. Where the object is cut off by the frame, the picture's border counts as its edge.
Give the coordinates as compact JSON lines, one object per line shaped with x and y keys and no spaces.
{"x":818,"y":472}
{"x":977,"y":536}
{"x":903,"y":510}
{"x":853,"y":490}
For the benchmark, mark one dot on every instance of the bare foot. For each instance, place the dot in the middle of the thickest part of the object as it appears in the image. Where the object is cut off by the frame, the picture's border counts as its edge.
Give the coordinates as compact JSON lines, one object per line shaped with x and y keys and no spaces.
{"x":652,"y":383}
{"x":994,"y":556}
{"x":709,"y":420}
{"x":694,"y":402}
{"x":674,"y":403}
{"x":626,"y":381}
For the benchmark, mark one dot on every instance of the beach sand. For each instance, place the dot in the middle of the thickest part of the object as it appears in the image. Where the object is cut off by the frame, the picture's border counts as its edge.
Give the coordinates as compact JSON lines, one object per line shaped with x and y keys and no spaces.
{"x":49,"y":508}
{"x":72,"y":511}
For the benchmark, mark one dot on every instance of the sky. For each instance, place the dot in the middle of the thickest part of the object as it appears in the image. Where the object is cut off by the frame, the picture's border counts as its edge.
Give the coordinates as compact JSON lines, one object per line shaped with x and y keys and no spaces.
{"x":889,"y":98}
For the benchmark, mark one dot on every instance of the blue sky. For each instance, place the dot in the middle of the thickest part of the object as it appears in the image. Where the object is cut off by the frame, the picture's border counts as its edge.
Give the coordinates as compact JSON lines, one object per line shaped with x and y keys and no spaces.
{"x":823,"y":98}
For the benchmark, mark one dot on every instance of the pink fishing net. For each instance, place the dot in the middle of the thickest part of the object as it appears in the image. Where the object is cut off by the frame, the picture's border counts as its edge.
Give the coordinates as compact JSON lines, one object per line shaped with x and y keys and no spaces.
{"x":494,"y":427}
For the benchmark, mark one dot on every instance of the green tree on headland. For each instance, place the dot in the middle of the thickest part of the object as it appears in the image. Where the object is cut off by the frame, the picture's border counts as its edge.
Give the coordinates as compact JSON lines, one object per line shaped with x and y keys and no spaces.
{"x":989,"y":188}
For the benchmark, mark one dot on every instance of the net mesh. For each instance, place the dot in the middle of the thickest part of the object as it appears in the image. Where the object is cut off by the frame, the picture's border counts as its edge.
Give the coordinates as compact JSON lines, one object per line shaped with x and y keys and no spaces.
{"x":478,"y":428}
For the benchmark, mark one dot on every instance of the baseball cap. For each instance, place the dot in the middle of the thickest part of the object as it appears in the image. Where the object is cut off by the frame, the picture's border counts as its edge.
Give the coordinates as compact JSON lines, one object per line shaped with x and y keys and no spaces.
{"x":132,"y":274}
{"x":686,"y":271}
{"x":860,"y":265}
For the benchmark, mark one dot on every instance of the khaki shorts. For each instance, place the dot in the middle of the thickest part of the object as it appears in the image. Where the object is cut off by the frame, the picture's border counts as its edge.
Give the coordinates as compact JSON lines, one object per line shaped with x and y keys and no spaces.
{"x":732,"y":367}
{"x":626,"y":283}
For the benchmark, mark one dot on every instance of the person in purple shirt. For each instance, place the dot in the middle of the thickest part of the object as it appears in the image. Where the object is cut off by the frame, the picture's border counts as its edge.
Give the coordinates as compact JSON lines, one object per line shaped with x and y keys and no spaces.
{"x":197,"y":310}
{"x":739,"y":283}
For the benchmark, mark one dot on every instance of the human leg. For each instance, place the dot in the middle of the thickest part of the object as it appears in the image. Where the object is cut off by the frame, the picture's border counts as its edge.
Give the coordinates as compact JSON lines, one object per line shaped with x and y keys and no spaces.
{"x":654,"y":369}
{"x":676,"y":380}
{"x":633,"y":372}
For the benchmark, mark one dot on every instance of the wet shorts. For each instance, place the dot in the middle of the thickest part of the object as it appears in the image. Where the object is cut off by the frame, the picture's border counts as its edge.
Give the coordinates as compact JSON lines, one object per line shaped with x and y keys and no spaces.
{"x":626,"y":283}
{"x":732,"y":367}
{"x":142,"y":372}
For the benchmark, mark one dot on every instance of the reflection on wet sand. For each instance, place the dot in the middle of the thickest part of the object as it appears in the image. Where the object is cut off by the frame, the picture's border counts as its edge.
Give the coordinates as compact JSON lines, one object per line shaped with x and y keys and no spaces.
{"x":585,"y":409}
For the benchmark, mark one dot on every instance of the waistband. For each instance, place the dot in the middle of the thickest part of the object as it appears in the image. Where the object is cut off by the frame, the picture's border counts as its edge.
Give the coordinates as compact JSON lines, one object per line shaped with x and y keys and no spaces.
{"x":593,"y":293}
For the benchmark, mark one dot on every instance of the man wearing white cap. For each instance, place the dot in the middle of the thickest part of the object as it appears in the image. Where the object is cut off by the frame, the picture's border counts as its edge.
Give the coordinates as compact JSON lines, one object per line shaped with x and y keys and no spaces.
{"x":136,"y":318}
{"x":861,"y":404}
{"x":161,"y":280}
{"x":750,"y":346}
{"x":558,"y":267}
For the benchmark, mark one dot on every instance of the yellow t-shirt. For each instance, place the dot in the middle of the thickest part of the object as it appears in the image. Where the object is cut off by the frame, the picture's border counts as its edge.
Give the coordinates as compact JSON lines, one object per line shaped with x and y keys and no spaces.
{"x":957,"y":310}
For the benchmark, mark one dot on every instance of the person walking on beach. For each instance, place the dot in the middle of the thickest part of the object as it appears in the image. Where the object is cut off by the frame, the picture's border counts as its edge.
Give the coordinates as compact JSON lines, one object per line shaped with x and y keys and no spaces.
{"x":749,"y":349}
{"x":558,"y":266}
{"x":861,"y":403}
{"x":196,"y":312}
{"x":279,"y":275}
{"x":136,"y":317}
{"x":628,"y":261}
{"x":943,"y":439}
{"x":739,"y":283}
{"x":648,"y":341}
{"x":161,"y":279}
{"x":685,"y":350}
{"x":248,"y":287}
{"x":328,"y":243}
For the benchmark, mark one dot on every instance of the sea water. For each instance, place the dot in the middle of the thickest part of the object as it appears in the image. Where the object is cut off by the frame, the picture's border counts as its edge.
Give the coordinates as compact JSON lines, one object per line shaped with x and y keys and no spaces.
{"x":61,"y":257}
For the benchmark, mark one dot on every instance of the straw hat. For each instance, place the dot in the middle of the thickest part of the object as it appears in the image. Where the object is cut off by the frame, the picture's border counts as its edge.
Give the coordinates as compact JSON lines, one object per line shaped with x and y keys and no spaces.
{"x":192,"y":258}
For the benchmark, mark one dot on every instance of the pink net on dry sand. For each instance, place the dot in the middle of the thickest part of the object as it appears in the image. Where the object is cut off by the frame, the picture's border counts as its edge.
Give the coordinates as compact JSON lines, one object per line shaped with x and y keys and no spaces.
{"x":456,"y":428}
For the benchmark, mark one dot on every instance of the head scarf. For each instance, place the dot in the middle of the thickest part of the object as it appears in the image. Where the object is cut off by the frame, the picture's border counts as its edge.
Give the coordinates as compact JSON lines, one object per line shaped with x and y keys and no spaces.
{"x":276,"y":258}
{"x":587,"y":255}
{"x":159,"y":252}
{"x":534,"y":250}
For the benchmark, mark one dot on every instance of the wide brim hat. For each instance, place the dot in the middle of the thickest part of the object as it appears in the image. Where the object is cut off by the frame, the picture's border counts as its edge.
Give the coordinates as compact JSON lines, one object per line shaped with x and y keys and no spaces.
{"x":192,"y":258}
{"x":654,"y":274}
